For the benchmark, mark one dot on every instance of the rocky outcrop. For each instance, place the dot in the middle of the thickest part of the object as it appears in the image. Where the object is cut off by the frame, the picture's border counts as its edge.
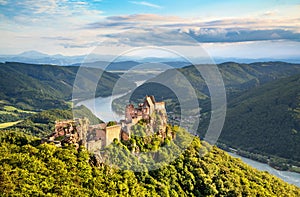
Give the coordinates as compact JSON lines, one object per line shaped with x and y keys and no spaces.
{"x":70,"y":132}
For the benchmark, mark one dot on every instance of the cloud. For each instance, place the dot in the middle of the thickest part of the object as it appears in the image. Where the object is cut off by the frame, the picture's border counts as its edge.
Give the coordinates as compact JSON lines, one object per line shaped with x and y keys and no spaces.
{"x":57,"y":38}
{"x":270,"y":13}
{"x":109,"y":24}
{"x":149,"y":37}
{"x":3,"y":2}
{"x":145,"y":18}
{"x":76,"y":25}
{"x":80,"y":45}
{"x":168,"y":37}
{"x":134,"y":21}
{"x":80,"y":2}
{"x":214,"y":31}
{"x":43,"y":6}
{"x":145,"y":3}
{"x":174,"y":22}
{"x":205,"y":35}
{"x":48,"y":12}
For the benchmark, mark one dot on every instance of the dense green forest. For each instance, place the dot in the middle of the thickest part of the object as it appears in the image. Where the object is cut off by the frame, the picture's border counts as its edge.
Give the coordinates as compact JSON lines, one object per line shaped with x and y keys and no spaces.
{"x":32,"y":169}
{"x":40,"y":87}
{"x":237,"y":79}
{"x":268,"y":119}
{"x":263,"y":107}
{"x":256,"y":94}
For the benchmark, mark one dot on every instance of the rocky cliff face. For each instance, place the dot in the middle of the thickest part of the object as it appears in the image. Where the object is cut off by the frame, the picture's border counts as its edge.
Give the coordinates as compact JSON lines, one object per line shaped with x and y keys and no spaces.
{"x":82,"y":129}
{"x":69,"y":131}
{"x":159,"y":121}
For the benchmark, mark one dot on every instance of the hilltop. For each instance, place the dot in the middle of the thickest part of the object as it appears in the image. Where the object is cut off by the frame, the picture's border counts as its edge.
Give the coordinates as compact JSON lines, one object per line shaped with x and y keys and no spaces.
{"x":32,"y":169}
{"x":39,"y":87}
{"x":237,"y":78}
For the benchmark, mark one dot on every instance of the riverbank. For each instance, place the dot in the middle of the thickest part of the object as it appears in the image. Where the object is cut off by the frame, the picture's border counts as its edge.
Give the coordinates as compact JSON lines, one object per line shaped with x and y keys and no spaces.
{"x":102,"y":108}
{"x":287,"y":176}
{"x":277,"y":163}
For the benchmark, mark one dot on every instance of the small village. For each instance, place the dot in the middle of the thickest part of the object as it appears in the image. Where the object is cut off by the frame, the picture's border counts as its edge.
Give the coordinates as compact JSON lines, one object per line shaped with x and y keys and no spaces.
{"x":96,"y":137}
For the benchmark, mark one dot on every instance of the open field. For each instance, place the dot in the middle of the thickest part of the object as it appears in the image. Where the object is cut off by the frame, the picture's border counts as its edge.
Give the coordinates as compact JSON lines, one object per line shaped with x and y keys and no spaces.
{"x":12,"y":108}
{"x":9,"y":124}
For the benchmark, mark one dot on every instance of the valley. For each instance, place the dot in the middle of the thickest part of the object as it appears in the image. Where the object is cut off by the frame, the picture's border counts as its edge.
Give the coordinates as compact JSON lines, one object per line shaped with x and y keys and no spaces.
{"x":101,"y":108}
{"x":263,"y":97}
{"x":146,"y":98}
{"x":104,"y":105}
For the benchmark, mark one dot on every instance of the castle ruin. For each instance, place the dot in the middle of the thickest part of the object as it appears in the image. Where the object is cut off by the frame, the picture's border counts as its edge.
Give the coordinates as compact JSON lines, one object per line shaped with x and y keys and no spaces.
{"x":95,"y":137}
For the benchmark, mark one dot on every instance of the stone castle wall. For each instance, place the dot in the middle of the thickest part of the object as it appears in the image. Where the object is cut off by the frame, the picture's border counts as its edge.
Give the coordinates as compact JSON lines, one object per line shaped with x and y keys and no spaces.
{"x":94,"y":145}
{"x":112,"y":132}
{"x":94,"y":137}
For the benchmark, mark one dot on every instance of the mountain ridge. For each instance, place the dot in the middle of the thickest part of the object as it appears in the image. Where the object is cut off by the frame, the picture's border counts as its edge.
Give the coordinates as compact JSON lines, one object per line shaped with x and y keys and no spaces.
{"x":36,"y":87}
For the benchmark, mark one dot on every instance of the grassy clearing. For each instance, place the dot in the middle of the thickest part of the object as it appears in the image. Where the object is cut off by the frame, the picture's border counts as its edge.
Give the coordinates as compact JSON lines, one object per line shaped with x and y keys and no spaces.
{"x":7,"y":112}
{"x":70,"y":103}
{"x":9,"y":124}
{"x":12,"y":108}
{"x":3,"y":102}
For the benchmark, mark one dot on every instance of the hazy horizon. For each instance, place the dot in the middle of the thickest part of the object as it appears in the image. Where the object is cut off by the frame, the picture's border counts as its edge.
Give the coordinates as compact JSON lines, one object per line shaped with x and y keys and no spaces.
{"x":231,"y":29}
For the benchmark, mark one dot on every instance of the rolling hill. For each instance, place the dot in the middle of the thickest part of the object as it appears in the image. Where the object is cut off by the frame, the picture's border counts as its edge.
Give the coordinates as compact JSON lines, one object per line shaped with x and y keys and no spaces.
{"x":263,"y":105}
{"x":237,"y":78}
{"x":266,"y":119}
{"x":38,"y":87}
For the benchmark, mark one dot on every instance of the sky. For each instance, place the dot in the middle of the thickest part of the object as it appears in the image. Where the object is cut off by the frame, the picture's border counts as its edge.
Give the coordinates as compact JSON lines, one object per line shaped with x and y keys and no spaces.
{"x":239,"y":29}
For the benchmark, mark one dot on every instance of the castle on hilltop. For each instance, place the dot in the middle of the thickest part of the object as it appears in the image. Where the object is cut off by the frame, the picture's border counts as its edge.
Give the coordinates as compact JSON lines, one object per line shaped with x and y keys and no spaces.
{"x":95,"y":137}
{"x":144,"y":110}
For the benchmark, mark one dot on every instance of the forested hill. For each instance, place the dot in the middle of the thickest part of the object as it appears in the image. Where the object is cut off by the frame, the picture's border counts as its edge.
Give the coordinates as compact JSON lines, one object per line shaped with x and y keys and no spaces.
{"x":266,"y":119}
{"x":262,"y":103}
{"x":33,"y":169}
{"x":240,"y":77}
{"x":237,"y":79}
{"x":36,"y":87}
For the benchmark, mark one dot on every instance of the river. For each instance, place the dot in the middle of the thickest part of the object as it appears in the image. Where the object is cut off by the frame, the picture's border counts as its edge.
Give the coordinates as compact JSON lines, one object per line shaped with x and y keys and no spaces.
{"x":290,"y":177}
{"x":102,"y":108}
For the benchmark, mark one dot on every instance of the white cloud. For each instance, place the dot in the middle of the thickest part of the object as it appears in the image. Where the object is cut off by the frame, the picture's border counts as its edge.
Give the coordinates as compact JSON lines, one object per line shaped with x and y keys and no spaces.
{"x":3,"y":2}
{"x":145,"y":3}
{"x":73,"y":27}
{"x":186,"y":24}
{"x":81,"y":3}
{"x":56,"y":14}
{"x":43,"y":6}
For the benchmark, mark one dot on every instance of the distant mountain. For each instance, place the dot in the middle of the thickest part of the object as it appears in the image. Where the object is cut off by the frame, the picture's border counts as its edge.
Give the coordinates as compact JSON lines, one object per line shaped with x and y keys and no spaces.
{"x":35,"y":57}
{"x":39,"y":87}
{"x":127,"y":65}
{"x":32,"y":54}
{"x":237,"y":79}
{"x":219,"y":60}
{"x":93,"y":60}
{"x":105,"y":65}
